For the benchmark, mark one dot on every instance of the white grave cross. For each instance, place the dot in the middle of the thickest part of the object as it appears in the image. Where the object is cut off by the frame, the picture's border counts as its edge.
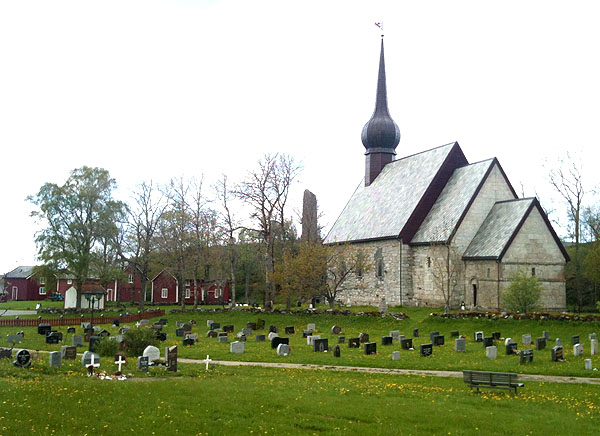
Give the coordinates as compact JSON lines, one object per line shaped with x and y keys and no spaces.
{"x":120,"y":362}
{"x":207,"y":360}
{"x":92,"y":361}
{"x":138,"y":324}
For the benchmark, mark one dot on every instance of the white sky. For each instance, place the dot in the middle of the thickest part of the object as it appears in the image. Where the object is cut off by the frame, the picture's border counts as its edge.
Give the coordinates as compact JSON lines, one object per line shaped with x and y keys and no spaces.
{"x":160,"y":89}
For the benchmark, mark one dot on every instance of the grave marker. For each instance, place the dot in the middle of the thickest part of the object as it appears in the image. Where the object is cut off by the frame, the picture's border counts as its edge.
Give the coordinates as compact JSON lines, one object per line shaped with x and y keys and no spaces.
{"x":71,"y":330}
{"x":152,"y":353}
{"x":237,"y":347}
{"x":491,"y":352}
{"x":290,"y":330}
{"x":540,"y":343}
{"x":395,"y":355}
{"x":228,"y":328}
{"x":68,"y":352}
{"x":354,"y":343}
{"x":341,"y":339}
{"x":588,"y":364}
{"x":336,"y":330}
{"x":426,"y":350}
{"x":5,"y":353}
{"x":370,"y":348}
{"x":321,"y":345}
{"x":415,"y":333}
{"x":22,"y":359}
{"x":259,"y":338}
{"x":488,"y":342}
{"x":120,"y":360}
{"x":55,"y":359}
{"x":387,"y":340}
{"x":438,"y":340}
{"x":460,"y":345}
{"x":171,"y":353}
{"x":526,"y":339}
{"x":406,"y":343}
{"x":90,"y":358}
{"x":577,"y":350}
{"x":496,"y":336}
{"x":77,"y":341}
{"x":279,"y":340}
{"x":336,"y":351}
{"x":526,"y":356}
{"x":44,"y":329}
{"x":574,"y":340}
{"x":311,"y":326}
{"x":143,"y":363}
{"x":283,"y":350}
{"x":594,"y":347}
{"x":478,"y":336}
{"x":364,"y":338}
{"x":454,"y":334}
{"x":557,"y":353}
{"x":225,"y":339}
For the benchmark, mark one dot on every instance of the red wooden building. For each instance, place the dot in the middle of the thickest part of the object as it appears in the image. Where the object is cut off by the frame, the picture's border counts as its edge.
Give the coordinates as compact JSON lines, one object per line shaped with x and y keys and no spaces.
{"x":165,"y":289}
{"x":20,"y":284}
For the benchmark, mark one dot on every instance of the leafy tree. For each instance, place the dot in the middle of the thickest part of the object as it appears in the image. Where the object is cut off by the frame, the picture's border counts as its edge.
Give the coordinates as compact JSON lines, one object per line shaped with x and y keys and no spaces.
{"x":523,"y":293}
{"x":78,"y":216}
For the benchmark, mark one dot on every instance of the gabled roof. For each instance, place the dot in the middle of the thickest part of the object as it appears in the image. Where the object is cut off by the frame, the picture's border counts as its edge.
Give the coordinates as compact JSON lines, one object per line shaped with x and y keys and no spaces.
{"x":500,"y":227}
{"x":398,"y":200}
{"x":450,"y":206}
{"x":21,"y":272}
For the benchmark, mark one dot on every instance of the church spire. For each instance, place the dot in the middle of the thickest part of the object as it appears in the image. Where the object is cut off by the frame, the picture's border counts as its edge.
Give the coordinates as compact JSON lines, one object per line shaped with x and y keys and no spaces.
{"x":380,"y":135}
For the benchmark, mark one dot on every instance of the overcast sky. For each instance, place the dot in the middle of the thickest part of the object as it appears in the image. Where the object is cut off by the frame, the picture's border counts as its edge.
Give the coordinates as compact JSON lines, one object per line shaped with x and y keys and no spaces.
{"x":153,"y":90}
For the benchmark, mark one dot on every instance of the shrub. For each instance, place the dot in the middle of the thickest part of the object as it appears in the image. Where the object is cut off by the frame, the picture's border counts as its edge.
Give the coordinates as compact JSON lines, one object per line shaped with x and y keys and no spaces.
{"x":137,"y":339}
{"x":107,"y":347}
{"x":523,"y":293}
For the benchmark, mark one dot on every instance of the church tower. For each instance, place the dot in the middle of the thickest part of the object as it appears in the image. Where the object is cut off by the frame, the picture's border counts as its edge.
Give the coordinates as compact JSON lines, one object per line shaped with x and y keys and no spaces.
{"x":380,"y":135}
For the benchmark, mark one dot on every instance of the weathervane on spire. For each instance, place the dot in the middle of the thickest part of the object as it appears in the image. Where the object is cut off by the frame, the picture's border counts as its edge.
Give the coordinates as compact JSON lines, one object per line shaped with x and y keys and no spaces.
{"x":380,"y":25}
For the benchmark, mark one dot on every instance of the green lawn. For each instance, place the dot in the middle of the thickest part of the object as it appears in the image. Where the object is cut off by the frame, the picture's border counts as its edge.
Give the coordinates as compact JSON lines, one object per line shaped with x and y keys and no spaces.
{"x":252,"y":401}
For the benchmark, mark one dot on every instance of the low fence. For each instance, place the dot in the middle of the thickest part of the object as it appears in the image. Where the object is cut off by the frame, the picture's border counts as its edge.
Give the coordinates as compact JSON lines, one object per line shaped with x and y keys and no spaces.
{"x":33,"y":322}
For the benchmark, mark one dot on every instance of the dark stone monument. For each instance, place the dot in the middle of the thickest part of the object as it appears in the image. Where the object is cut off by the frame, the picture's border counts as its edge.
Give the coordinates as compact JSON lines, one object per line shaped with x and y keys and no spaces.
{"x":93,"y":343}
{"x":336,"y":330}
{"x":341,"y":339}
{"x":321,"y":345}
{"x":260,"y":338}
{"x":214,"y":325}
{"x":478,"y":336}
{"x":228,"y":328}
{"x":69,"y":352}
{"x":370,"y":348}
{"x":415,"y":333}
{"x":557,"y":353}
{"x":52,"y":338}
{"x":426,"y":350}
{"x":511,"y":348}
{"x":496,"y":336}
{"x":5,"y":353}
{"x":306,"y":333}
{"x":22,"y":359}
{"x":172,"y":358}
{"x":188,"y":342}
{"x":163,"y":321}
{"x":211,"y":334}
{"x":432,"y":334}
{"x":290,"y":330}
{"x":272,"y":329}
{"x":454,"y":334}
{"x":364,"y":338}
{"x":157,"y":326}
{"x":540,"y":343}
{"x":71,"y":330}
{"x":116,"y":322}
{"x":279,"y":340}
{"x":104,"y":334}
{"x":406,"y":343}
{"x":575,"y":340}
{"x":161,"y":336}
{"x":387,"y":340}
{"x":44,"y":329}
{"x":526,"y":356}
{"x":142,"y":363}
{"x":179,"y":333}
{"x":336,"y":351}
{"x":354,"y":343}
{"x":251,"y":325}
{"x":488,"y":342}
{"x":438,"y":340}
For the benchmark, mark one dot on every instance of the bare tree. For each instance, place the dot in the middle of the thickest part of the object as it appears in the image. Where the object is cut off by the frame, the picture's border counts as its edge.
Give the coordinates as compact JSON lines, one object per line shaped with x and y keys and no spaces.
{"x":446,"y":270}
{"x":341,"y":263}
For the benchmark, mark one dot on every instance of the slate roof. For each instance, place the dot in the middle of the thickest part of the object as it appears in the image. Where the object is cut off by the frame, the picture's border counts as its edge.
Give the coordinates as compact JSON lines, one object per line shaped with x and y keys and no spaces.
{"x":21,"y":272}
{"x":444,"y":216}
{"x":382,"y":209}
{"x":498,"y":229}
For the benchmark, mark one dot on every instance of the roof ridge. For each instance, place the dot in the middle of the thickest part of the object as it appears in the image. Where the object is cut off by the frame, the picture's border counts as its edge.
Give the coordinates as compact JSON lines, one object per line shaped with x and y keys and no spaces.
{"x":515,"y":199}
{"x":424,"y":151}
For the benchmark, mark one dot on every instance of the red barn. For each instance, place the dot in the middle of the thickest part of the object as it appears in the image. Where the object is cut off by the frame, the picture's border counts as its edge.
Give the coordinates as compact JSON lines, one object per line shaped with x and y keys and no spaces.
{"x":21,"y":285}
{"x":165,"y":289}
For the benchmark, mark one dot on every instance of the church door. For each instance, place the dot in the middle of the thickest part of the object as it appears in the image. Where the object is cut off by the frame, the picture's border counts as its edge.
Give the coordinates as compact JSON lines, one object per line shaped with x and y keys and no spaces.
{"x":474,"y":295}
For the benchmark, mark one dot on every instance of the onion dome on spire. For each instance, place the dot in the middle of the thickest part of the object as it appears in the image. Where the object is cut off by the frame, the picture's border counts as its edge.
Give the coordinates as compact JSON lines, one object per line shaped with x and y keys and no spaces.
{"x":381,"y":133}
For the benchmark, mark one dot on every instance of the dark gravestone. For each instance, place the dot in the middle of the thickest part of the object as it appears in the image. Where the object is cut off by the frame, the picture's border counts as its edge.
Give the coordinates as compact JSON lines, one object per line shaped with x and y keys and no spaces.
{"x":157,"y":326}
{"x":290,"y":330}
{"x":387,"y":340}
{"x":228,"y":328}
{"x":354,"y":343}
{"x":260,"y":338}
{"x":222,"y":334}
{"x":496,"y":336}
{"x":406,"y":343}
{"x":336,"y":330}
{"x":211,"y":334}
{"x":116,"y":322}
{"x":163,"y":321}
{"x":370,"y":348}
{"x":454,"y":334}
{"x":104,"y":334}
{"x":69,"y":352}
{"x":426,"y":350}
{"x":93,"y":343}
{"x":89,"y":331}
{"x":511,"y":348}
{"x":44,"y":329}
{"x":172,"y":358}
{"x":241,"y":337}
{"x":161,"y":336}
{"x":432,"y":334}
{"x":22,"y":359}
{"x":341,"y":339}
{"x":478,"y":336}
{"x":415,"y":333}
{"x":272,"y":329}
{"x":321,"y":345}
{"x":526,"y":356}
{"x":142,"y":363}
{"x":187,"y":327}
{"x":179,"y":333}
{"x":260,"y":324}
{"x":488,"y":342}
{"x":364,"y":338}
{"x":540,"y":343}
{"x":214,"y":325}
{"x":336,"y":351}
{"x":251,"y":325}
{"x":279,"y":340}
{"x":71,"y":330}
{"x":557,"y":353}
{"x":306,"y":333}
{"x":438,"y":340}
{"x":52,"y":338}
{"x":575,"y":340}
{"x":188,"y":342}
{"x":5,"y":353}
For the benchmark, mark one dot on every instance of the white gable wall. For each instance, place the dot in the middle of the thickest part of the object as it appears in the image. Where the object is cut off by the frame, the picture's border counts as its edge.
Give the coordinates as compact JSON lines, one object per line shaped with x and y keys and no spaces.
{"x":495,"y":188}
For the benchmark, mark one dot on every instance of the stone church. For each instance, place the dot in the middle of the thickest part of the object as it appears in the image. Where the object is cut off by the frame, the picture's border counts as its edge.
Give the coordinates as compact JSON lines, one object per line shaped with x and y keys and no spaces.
{"x":437,"y":228}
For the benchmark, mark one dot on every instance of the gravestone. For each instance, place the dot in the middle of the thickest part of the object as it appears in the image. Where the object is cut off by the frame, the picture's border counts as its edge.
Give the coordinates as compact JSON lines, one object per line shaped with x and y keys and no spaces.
{"x":222,"y":334}
{"x":157,"y":326}
{"x":210,"y":334}
{"x":225,"y":339}
{"x":180,"y":324}
{"x":55,"y":359}
{"x":546,"y":334}
{"x":438,"y":340}
{"x":558,"y":342}
{"x":228,"y":328}
{"x":124,"y":329}
{"x":574,"y":340}
{"x":511,"y":346}
{"x":432,"y":334}
{"x":588,"y":364}
{"x":290,"y":330}
{"x":71,"y":330}
{"x":152,"y":353}
{"x":526,"y":356}
{"x":86,"y":325}
{"x":89,"y":357}
{"x":5,"y":353}
{"x":116,"y":322}
{"x":120,"y":360}
{"x":488,"y":341}
{"x":159,"y":335}
{"x":395,"y":334}
{"x":246,"y":331}
{"x":370,"y":348}
{"x":426,"y":350}
{"x":592,"y":336}
{"x":188,"y":342}
{"x":400,"y":337}
{"x":44,"y":329}
{"x":14,"y":339}
{"x":22,"y":359}
{"x":180,"y":332}
{"x":105,"y":333}
{"x":260,"y":324}
{"x":478,"y":336}
{"x":336,"y":330}
{"x":594,"y":347}
{"x":341,"y":339}
{"x":144,"y":322}
{"x":460,"y":344}
{"x":187,"y":327}
{"x":272,"y":335}
{"x":171,"y":353}
{"x":192,"y":336}
{"x":526,"y":339}
{"x":241,"y":337}
{"x":237,"y":347}
{"x":52,"y":338}
{"x":311,"y":326}
{"x":406,"y":343}
{"x":251,"y":325}
{"x":540,"y":343}
{"x":354,"y":343}
{"x":577,"y":350}
{"x":306,"y":333}
{"x":163,"y":321}
{"x":143,"y":363}
{"x":93,"y":343}
{"x":279,"y":340}
{"x":273,"y":329}
{"x":336,"y":351}
{"x":395,"y":355}
{"x":454,"y":334}
{"x":387,"y":340}
{"x":496,"y":336}
{"x":310,"y":340}
{"x":259,"y":338}
{"x":415,"y":333}
{"x":364,"y":338}
{"x":214,"y":325}
{"x":208,"y":323}
{"x":68,"y":353}
{"x":283,"y":350}
{"x":491,"y":352}
{"x":557,"y":353}
{"x":321,"y":345}
{"x":77,"y":341}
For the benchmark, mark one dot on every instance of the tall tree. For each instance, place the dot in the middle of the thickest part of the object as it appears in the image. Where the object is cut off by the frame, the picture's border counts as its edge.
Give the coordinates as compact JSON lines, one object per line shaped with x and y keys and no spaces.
{"x":446,"y":269}
{"x":77,"y":215}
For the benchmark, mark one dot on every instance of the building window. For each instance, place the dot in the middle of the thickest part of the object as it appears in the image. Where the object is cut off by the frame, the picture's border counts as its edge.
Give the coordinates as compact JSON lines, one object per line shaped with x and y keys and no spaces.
{"x":359,"y":273}
{"x":380,"y":268}
{"x":533,"y":272}
{"x":42,"y":290}
{"x":187,"y":293}
{"x":164,"y":293}
{"x":489,"y":273}
{"x":428,"y":262}
{"x":130,"y":278}
{"x":69,"y":281}
{"x":42,"y":280}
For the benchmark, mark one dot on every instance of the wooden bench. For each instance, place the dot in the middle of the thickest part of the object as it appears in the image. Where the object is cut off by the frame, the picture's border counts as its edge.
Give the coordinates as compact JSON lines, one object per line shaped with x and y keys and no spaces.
{"x":493,"y":380}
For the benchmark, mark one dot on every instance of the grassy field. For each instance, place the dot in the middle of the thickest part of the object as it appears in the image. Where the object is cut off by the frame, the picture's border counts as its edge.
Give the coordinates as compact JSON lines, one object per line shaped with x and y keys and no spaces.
{"x":443,"y":358}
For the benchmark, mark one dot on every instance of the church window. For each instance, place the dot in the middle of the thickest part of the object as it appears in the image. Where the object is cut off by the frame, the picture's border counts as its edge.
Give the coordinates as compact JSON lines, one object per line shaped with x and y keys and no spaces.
{"x":489,"y":272}
{"x":380,"y":268}
{"x":533,"y":272}
{"x":359,"y":273}
{"x":428,"y":262}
